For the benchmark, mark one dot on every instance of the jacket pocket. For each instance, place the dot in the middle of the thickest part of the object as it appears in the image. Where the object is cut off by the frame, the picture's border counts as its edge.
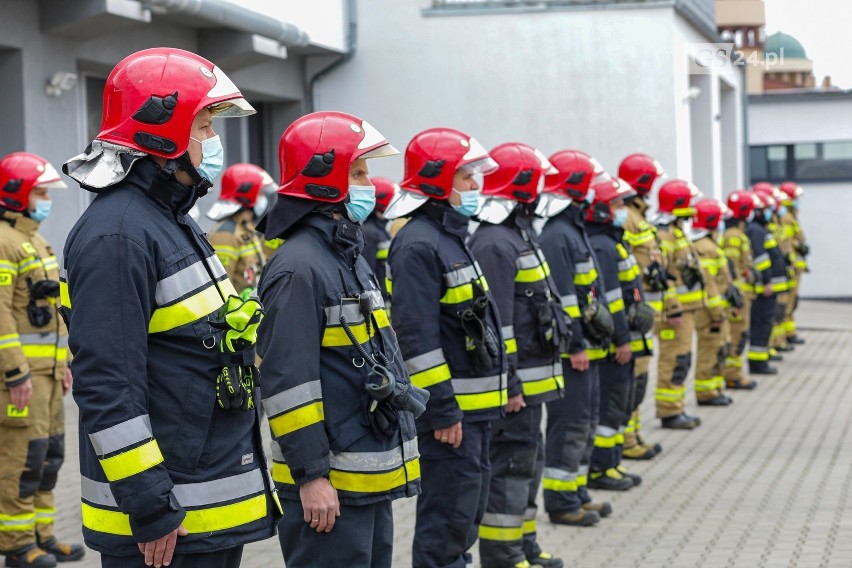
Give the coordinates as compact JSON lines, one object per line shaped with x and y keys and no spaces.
{"x":11,"y":417}
{"x":195,"y":423}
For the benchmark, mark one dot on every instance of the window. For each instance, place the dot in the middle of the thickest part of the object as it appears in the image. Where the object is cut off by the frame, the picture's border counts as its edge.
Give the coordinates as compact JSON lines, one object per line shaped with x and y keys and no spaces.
{"x":94,"y":106}
{"x":805,"y":161}
{"x":245,"y":139}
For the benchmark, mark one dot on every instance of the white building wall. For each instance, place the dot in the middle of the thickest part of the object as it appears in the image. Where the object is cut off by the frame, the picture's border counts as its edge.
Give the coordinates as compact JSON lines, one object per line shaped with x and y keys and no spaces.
{"x":825,"y":206}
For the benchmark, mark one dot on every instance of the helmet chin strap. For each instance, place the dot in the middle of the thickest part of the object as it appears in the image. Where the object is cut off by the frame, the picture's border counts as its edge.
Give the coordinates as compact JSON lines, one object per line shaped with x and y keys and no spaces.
{"x":199,"y":184}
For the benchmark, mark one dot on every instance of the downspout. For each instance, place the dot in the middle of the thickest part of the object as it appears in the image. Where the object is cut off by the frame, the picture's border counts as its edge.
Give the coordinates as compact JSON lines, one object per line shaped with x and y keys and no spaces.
{"x":235,"y":17}
{"x":352,"y":44}
{"x":746,"y":153}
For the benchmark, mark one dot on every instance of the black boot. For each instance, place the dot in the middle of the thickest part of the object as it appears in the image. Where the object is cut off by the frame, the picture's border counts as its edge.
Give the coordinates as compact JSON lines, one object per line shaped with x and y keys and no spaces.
{"x":679,"y":422}
{"x":762,"y":368}
{"x":578,"y":518}
{"x":720,"y":400}
{"x":31,"y":557}
{"x":62,"y":551}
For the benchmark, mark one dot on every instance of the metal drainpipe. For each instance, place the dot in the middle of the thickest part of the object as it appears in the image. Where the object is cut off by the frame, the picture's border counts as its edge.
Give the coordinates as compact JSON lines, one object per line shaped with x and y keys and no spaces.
{"x":235,"y":17}
{"x":746,"y":152}
{"x":350,"y":53}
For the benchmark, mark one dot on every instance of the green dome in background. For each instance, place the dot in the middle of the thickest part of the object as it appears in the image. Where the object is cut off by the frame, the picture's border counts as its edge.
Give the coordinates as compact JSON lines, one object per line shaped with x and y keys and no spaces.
{"x":791,"y":46}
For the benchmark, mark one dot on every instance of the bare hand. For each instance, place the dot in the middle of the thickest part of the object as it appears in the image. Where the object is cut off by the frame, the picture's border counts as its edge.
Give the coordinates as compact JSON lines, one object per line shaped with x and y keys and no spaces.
{"x":676,"y":321}
{"x":579,"y":361}
{"x":320,"y":504}
{"x":516,"y":403}
{"x":623,"y":354}
{"x":67,"y":381}
{"x":159,"y":552}
{"x":451,"y":435}
{"x":767,"y":290}
{"x":20,"y":395}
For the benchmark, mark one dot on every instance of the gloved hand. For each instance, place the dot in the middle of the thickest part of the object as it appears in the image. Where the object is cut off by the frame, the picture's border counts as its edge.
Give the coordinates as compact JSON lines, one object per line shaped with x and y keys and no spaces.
{"x":235,"y":388}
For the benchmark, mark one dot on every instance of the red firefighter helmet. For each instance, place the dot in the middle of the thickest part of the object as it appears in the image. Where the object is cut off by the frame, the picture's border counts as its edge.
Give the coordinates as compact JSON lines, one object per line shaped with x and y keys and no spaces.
{"x":575,"y":172}
{"x":607,"y":190}
{"x":741,"y":203}
{"x":640,"y":171}
{"x":520,"y":173}
{"x":709,"y":213}
{"x":243,"y":186}
{"x":675,"y":197}
{"x":791,"y":190}
{"x":152,"y":96}
{"x":763,"y":186}
{"x":317,"y":150}
{"x":385,"y":190}
{"x":20,"y":172}
{"x":765,"y":199}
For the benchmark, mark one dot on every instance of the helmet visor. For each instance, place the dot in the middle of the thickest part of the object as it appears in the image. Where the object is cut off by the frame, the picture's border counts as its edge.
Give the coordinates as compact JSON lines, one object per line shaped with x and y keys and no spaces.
{"x":50,"y":179}
{"x":496,"y":209}
{"x":551,"y":204}
{"x":403,"y":203}
{"x":222,"y":209}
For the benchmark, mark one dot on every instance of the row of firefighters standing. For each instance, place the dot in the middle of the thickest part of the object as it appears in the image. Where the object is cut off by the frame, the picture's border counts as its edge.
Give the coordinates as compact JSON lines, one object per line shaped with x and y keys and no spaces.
{"x":484,"y":330}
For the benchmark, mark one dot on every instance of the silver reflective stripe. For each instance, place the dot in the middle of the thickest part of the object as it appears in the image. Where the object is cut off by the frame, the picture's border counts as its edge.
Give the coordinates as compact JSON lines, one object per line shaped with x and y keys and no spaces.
{"x":502,"y":520}
{"x":374,"y":461}
{"x":584,"y":267}
{"x":569,"y":300}
{"x":584,"y":470}
{"x":96,"y":492}
{"x":460,"y":276}
{"x":560,"y":474}
{"x":39,"y":338}
{"x":775,"y":280}
{"x":351,"y":311}
{"x":376,"y":300}
{"x":757,"y":348}
{"x":536,"y":373}
{"x":10,"y":340}
{"x":219,"y":490}
{"x":63,"y":341}
{"x":613,"y":295}
{"x":526,"y":261}
{"x":605,"y":431}
{"x":187,"y":280}
{"x":761,"y":258}
{"x":477,"y":385}
{"x":684,"y":290}
{"x":508,"y":332}
{"x":291,"y":398}
{"x":122,"y":435}
{"x":425,"y":361}
{"x":383,"y":245}
{"x":276,"y":451}
{"x":19,"y":523}
{"x":63,"y":272}
{"x":653,"y":296}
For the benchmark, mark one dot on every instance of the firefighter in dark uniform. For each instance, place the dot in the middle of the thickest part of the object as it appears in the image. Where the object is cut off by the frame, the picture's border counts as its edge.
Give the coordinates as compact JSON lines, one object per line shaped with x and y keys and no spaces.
{"x":641,"y":171}
{"x":34,"y":359}
{"x":772,"y":275}
{"x":234,"y":238}
{"x":377,"y":239}
{"x":632,"y":320}
{"x":449,"y":334}
{"x":534,"y":324}
{"x":571,"y":421}
{"x":336,"y":392}
{"x":171,"y":455}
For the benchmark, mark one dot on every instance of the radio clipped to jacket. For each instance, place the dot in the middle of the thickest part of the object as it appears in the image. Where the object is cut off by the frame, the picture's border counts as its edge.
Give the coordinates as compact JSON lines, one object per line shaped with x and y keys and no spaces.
{"x":481,"y":343}
{"x":39,"y":312}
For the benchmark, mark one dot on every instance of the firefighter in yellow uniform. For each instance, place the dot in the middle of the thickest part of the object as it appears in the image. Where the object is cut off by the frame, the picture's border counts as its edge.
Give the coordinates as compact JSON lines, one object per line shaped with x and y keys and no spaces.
{"x":675,"y":335}
{"x":737,"y":247}
{"x":793,"y":230}
{"x":640,"y":171}
{"x":785,"y":299}
{"x":234,"y":238}
{"x":33,"y":359}
{"x":711,"y":323}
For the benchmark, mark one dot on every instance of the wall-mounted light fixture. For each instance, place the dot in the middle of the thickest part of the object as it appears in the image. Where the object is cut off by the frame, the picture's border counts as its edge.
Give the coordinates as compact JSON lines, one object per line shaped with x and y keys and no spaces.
{"x":60,"y":82}
{"x":692,"y":94}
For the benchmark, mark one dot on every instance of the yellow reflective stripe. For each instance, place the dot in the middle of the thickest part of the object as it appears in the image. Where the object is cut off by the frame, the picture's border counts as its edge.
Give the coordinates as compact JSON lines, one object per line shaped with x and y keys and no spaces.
{"x":667,"y":334}
{"x":529,"y":275}
{"x":62,"y":354}
{"x":389,"y":285}
{"x":27,"y":264}
{"x":501,"y":534}
{"x":191,"y":309}
{"x":690,"y":297}
{"x":357,"y":482}
{"x":226,"y":251}
{"x":714,"y":301}
{"x":705,"y":385}
{"x":770,"y":242}
{"x":511,"y":346}
{"x":297,"y":419}
{"x":133,"y":461}
{"x":382,"y":254}
{"x":551,"y":484}
{"x":8,"y":266}
{"x":596,"y":353}
{"x":636,"y":239}
{"x":35,"y":351}
{"x":273,"y":244}
{"x":585,"y":279}
{"x":572,"y":311}
{"x":532,"y":388}
{"x":616,"y":306}
{"x":656,"y":304}
{"x":482,"y":401}
{"x":605,"y":441}
{"x":529,"y":527}
{"x":670,"y":395}
{"x":17,"y":523}
{"x":64,"y":297}
{"x":197,"y":521}
{"x":335,"y":336}
{"x":463,"y":293}
{"x":45,"y":516}
{"x":763,"y":264}
{"x":10,"y":340}
{"x":431,"y":377}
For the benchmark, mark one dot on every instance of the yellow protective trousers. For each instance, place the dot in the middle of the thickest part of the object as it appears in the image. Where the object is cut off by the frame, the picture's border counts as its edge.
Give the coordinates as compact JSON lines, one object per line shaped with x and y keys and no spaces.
{"x":673,"y":365}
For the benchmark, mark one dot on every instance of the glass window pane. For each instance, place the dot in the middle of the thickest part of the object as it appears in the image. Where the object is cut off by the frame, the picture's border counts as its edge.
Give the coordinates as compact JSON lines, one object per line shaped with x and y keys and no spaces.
{"x":94,"y":106}
{"x":776,"y":152}
{"x":837,"y":150}
{"x":757,"y":157}
{"x":805,"y":151}
{"x":832,"y":161}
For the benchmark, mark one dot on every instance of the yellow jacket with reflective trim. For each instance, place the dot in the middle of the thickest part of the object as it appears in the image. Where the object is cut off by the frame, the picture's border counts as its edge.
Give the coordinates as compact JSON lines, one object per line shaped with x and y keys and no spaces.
{"x":240,"y":249}
{"x":717,"y":276}
{"x":637,"y":233}
{"x":737,"y":248}
{"x":793,"y":231}
{"x":679,"y":251}
{"x":26,"y":258}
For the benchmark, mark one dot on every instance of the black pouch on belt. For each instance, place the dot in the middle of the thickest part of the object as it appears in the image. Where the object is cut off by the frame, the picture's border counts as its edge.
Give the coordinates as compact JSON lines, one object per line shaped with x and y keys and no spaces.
{"x":481,"y":342}
{"x":39,"y":314}
{"x":598,"y":325}
{"x":691,"y":275}
{"x":640,"y":317}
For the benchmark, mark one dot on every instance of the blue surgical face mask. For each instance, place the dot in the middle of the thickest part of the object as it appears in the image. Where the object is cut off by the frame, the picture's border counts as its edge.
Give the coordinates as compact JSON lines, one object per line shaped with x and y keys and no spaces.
{"x":619,"y":218}
{"x":750,"y":217}
{"x":721,"y":228}
{"x":362,"y":201}
{"x":212,"y":158}
{"x":42,"y":210}
{"x":796,"y":203}
{"x":590,"y":196}
{"x":767,"y":215}
{"x":782,"y":211}
{"x":469,"y":202}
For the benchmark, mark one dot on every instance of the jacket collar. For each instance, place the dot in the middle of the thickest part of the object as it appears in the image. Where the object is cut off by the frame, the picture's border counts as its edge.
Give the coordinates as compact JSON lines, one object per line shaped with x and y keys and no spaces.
{"x":450,"y":220}
{"x":344,"y":236}
{"x":153,"y":180}
{"x":638,"y":202}
{"x":20,"y":222}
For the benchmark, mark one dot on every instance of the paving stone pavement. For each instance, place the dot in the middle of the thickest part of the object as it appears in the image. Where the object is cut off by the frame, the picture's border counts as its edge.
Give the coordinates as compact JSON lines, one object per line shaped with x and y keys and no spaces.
{"x":764,"y":483}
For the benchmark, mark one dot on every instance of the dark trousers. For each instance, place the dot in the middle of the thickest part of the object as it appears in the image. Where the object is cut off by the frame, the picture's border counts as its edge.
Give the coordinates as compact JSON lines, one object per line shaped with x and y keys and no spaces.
{"x":571,"y":423}
{"x":362,"y":537}
{"x":614,"y":411}
{"x":762,"y":319}
{"x":454,"y":493}
{"x":229,"y":558}
{"x":515,"y":472}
